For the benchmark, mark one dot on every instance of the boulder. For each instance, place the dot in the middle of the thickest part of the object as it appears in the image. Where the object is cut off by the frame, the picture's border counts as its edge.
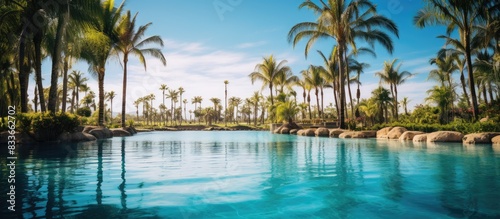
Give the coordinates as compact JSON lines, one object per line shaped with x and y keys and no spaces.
{"x":496,"y":140}
{"x":445,"y":136}
{"x":334,"y":133}
{"x":396,"y":132}
{"x":131,"y":130}
{"x":87,"y":129}
{"x":20,"y":137}
{"x":382,"y":133}
{"x":408,"y":135}
{"x":420,"y":138}
{"x":306,"y":132}
{"x":293,"y":131}
{"x":101,"y":133}
{"x":119,"y":132}
{"x":322,"y":132}
{"x":352,"y":134}
{"x":369,"y":134}
{"x":285,"y":130}
{"x":479,"y":138}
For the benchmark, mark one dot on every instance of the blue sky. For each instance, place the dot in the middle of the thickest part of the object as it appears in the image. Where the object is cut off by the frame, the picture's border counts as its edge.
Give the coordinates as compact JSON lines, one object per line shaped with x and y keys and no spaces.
{"x":209,"y":41}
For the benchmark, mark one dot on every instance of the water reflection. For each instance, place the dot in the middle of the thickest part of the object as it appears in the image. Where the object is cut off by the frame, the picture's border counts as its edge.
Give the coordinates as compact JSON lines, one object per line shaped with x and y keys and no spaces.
{"x":272,"y":177}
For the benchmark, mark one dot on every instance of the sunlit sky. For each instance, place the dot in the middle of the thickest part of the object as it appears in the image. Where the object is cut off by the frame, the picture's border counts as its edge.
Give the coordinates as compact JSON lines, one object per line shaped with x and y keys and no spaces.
{"x":209,"y":41}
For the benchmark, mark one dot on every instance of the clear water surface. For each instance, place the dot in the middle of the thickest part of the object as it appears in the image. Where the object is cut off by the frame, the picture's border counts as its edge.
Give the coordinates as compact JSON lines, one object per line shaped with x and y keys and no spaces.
{"x":248,"y":174}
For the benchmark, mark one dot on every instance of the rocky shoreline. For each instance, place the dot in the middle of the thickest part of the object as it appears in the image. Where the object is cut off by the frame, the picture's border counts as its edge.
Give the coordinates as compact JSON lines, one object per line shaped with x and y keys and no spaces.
{"x":396,"y":133}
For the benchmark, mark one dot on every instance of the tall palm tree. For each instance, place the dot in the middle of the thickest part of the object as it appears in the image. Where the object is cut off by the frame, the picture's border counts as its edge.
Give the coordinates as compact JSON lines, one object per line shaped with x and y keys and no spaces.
{"x":255,"y":99}
{"x":81,"y":13}
{"x":172,"y":95}
{"x":163,"y":88}
{"x":461,"y":16}
{"x":235,"y":102}
{"x":312,"y":76}
{"x":345,"y":22}
{"x":226,"y":82}
{"x":267,"y":71}
{"x":110,"y":96}
{"x":391,"y":75}
{"x":181,"y":91}
{"x":383,"y":99}
{"x":100,"y":37}
{"x":131,"y":42}
{"x":77,"y":79}
{"x":216,"y":102}
{"x":405,"y":102}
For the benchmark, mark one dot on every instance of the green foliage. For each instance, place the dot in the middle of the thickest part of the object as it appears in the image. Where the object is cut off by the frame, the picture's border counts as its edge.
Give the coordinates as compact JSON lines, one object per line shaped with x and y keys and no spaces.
{"x":84,"y":111}
{"x":130,"y":122}
{"x":48,"y":126}
{"x":24,"y":121}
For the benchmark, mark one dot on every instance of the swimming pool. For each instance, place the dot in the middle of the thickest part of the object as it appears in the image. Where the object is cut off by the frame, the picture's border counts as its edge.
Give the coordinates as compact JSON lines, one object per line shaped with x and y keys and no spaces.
{"x":253,"y":174}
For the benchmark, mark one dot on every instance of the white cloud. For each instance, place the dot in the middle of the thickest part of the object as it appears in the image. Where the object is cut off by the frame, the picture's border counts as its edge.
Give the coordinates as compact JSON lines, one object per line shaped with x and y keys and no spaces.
{"x":250,"y":44}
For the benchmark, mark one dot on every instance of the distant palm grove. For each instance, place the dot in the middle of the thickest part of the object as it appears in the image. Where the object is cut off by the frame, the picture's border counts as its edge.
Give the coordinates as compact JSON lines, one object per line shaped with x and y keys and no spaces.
{"x":93,"y":31}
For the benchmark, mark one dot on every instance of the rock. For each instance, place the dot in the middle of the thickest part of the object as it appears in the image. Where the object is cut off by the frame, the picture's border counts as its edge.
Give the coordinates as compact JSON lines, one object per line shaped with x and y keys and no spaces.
{"x":382,"y":133}
{"x":369,"y":134}
{"x":131,"y":130}
{"x":445,"y":136}
{"x":485,"y":119}
{"x":322,"y":132}
{"x":87,"y":129}
{"x":479,"y":138}
{"x":277,"y":130}
{"x":352,"y":134}
{"x":285,"y":130}
{"x":288,"y":126}
{"x":334,"y":133}
{"x":294,"y":131}
{"x":496,"y":140}
{"x":420,"y":138}
{"x":101,"y":133}
{"x":306,"y":132}
{"x":408,"y":135}
{"x":396,"y":132}
{"x":119,"y":132}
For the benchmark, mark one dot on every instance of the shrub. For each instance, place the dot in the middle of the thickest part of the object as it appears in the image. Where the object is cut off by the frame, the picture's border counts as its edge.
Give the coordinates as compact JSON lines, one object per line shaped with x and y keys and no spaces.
{"x":47,"y":126}
{"x":84,"y":111}
{"x":24,"y":121}
{"x":130,"y":122}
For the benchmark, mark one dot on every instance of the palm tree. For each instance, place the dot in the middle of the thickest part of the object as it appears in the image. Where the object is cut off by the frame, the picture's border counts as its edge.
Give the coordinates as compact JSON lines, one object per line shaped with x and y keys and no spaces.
{"x":235,"y":102}
{"x":163,"y":88}
{"x":442,"y":97}
{"x":181,"y":91}
{"x":131,"y":42}
{"x":216,"y":102}
{"x":78,"y":81}
{"x":84,"y":13}
{"x":461,"y":15}
{"x":254,"y":100}
{"x":286,"y":111}
{"x":195,"y":100}
{"x":225,"y":102}
{"x":405,"y":102}
{"x":110,"y":97}
{"x":136,"y":104}
{"x":100,"y":37}
{"x":172,"y":95}
{"x":185,"y":102}
{"x":390,"y":74}
{"x":345,"y":22}
{"x":267,"y":71}
{"x":312,"y":76}
{"x":382,"y":98}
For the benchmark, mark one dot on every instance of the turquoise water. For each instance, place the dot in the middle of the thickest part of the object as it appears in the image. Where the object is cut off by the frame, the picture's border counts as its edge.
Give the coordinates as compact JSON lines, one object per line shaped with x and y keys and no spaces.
{"x":254,"y":175}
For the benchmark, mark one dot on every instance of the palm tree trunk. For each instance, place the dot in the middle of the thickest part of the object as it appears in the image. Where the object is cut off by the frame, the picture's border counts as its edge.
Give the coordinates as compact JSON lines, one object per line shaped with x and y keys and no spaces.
{"x":38,"y":68}
{"x":65,"y":83}
{"x":101,"y":96}
{"x":342,"y":61}
{"x":124,"y":89}
{"x":350,"y":95}
{"x":23,"y":74}
{"x":56,"y":58}
{"x":317,"y":101}
{"x":396,"y":102}
{"x":475,"y":109}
